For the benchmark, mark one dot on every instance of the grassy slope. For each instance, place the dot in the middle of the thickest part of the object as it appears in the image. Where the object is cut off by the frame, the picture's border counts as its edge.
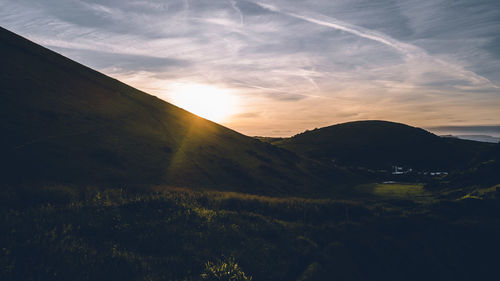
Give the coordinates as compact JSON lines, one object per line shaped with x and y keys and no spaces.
{"x":63,"y":122}
{"x":380,"y":144}
{"x":485,"y":172}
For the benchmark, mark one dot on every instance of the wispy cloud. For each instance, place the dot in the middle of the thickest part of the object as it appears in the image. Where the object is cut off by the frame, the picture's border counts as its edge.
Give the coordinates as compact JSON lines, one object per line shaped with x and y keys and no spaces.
{"x":235,"y":8}
{"x":411,"y":52}
{"x":300,"y":64}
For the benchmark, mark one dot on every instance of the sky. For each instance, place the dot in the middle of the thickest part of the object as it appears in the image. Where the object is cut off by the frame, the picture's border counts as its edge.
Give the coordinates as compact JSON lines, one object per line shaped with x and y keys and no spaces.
{"x":277,"y":68}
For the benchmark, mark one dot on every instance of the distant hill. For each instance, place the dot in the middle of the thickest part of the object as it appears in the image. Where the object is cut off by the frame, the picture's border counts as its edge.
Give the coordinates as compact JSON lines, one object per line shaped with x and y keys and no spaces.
{"x":482,"y":138}
{"x":63,"y":122}
{"x":382,"y":144}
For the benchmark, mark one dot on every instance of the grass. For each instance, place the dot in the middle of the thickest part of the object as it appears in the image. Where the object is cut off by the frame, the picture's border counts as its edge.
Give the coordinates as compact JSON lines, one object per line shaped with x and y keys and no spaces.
{"x":483,"y":193}
{"x":401,"y":191}
{"x":163,"y":233}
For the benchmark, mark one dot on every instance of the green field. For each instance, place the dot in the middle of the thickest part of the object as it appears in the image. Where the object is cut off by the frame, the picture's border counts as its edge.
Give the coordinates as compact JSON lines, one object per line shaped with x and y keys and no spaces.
{"x":400,"y":190}
{"x":410,"y":191}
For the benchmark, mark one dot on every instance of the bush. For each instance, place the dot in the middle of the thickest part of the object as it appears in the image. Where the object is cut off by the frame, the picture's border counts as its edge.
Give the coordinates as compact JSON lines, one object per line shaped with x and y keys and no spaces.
{"x":227,"y":270}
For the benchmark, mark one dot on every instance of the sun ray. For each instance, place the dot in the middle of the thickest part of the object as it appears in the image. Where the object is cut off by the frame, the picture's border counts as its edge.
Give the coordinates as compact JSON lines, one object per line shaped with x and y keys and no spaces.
{"x":207,"y":101}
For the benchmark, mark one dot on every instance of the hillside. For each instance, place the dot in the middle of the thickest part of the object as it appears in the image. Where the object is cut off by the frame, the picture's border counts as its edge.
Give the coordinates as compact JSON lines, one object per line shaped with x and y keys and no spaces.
{"x":62,"y":122}
{"x":382,"y":144}
{"x":485,"y":172}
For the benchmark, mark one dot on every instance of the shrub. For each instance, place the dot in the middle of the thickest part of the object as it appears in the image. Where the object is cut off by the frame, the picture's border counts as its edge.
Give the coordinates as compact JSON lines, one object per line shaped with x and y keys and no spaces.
{"x":224,"y":270}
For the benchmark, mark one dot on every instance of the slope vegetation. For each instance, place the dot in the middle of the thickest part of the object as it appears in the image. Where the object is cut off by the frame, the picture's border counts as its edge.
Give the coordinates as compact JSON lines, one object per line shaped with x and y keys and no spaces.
{"x":63,"y":122}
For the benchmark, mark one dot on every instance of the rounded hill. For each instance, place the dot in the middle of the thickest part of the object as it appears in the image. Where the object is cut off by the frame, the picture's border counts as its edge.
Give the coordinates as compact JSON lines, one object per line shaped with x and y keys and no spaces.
{"x":382,"y":144}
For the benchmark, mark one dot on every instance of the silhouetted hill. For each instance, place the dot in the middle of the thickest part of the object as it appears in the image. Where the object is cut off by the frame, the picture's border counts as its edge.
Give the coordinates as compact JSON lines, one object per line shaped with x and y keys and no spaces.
{"x":381,"y":144}
{"x":63,"y":122}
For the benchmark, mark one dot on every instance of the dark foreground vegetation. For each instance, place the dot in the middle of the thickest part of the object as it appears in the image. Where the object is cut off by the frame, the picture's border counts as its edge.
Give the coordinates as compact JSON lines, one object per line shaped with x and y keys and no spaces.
{"x":75,"y":233}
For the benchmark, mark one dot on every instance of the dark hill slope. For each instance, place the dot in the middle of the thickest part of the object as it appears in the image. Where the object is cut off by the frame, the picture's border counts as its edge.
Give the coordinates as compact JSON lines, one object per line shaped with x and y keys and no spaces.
{"x":484,"y":172}
{"x":63,"y":122}
{"x":381,"y":144}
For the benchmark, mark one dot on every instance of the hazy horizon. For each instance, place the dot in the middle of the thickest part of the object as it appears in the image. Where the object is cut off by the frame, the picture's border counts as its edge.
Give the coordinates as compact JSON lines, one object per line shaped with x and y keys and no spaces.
{"x":277,"y":68}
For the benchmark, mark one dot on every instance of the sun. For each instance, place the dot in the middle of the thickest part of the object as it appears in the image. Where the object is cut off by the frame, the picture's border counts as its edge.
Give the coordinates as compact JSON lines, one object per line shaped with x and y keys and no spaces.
{"x":210,"y":102}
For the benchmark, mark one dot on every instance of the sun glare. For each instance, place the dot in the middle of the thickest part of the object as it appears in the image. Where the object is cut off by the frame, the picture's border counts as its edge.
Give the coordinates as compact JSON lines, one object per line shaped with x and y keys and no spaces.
{"x":210,"y":102}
